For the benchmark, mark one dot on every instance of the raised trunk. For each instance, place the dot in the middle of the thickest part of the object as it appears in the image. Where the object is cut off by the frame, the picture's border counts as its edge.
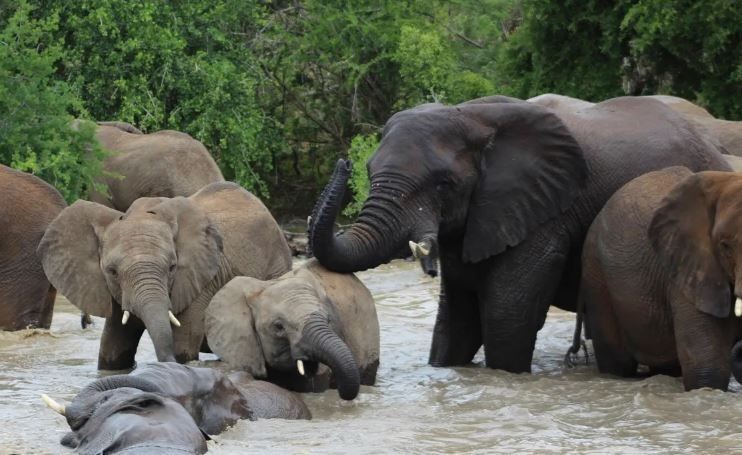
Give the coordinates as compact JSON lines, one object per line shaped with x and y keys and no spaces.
{"x":325,"y":346}
{"x":737,"y":361}
{"x":379,"y":232}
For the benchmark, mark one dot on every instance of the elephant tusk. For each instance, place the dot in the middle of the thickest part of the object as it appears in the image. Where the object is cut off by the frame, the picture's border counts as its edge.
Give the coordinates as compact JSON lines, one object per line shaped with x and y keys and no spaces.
{"x":419,"y":250}
{"x":413,"y":248}
{"x":53,"y":404}
{"x":424,"y":248}
{"x":173,"y":319}
{"x":309,"y":220}
{"x":125,"y":318}
{"x":738,"y":307}
{"x":300,"y":367}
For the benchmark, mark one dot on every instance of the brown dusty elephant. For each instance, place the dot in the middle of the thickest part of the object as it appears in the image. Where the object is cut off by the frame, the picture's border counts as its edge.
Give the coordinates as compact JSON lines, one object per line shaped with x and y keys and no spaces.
{"x":503,"y":192}
{"x":162,"y":164}
{"x":160,"y":262}
{"x":728,"y":133}
{"x":27,"y":206}
{"x":281,"y":329}
{"x":212,"y":402}
{"x":661,"y":273}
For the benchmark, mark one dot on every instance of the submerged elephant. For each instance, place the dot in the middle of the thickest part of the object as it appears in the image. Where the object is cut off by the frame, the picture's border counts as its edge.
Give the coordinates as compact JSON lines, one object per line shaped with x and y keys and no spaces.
{"x":27,"y":207}
{"x":162,"y":164}
{"x":282,"y":328}
{"x":143,"y":405}
{"x":661,"y":273}
{"x":160,"y":262}
{"x":503,"y":192}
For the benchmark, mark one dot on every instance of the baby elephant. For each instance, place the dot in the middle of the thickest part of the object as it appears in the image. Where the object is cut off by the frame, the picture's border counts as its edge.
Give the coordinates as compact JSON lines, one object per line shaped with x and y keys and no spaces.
{"x":281,"y":329}
{"x":169,"y":406}
{"x":662,"y":267}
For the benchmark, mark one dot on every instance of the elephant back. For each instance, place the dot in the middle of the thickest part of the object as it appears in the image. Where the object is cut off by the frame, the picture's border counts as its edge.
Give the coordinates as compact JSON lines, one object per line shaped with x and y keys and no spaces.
{"x":253,"y":242}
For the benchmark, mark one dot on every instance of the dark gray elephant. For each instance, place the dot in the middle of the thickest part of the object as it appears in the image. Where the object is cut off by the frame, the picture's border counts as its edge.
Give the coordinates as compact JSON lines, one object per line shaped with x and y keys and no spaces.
{"x":660,"y":277}
{"x":27,"y":206}
{"x":168,"y":405}
{"x":281,"y":329}
{"x":162,"y":164}
{"x":503,"y":192}
{"x":160,"y":263}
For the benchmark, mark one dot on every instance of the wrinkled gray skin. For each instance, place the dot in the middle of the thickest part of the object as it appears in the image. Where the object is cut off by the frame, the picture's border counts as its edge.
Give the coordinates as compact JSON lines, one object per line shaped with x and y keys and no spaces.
{"x":727,"y":133}
{"x":309,"y":314}
{"x":27,"y":206}
{"x":211,"y":401}
{"x":161,"y":255}
{"x":162,"y":164}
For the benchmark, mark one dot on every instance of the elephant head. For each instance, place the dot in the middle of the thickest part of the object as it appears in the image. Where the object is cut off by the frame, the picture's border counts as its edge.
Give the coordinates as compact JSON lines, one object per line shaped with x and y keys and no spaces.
{"x":489,"y":171}
{"x":123,"y":412}
{"x":287,"y":324}
{"x":153,"y":261}
{"x":695,"y":233}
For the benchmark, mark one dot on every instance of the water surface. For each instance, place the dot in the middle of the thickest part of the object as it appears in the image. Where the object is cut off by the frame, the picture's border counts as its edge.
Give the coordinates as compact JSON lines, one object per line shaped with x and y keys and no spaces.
{"x":414,"y":408}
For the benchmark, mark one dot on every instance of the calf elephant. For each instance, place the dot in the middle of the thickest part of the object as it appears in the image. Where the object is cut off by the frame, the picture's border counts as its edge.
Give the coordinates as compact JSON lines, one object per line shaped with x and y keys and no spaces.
{"x":160,"y":262}
{"x":503,"y":192}
{"x":211,"y":401}
{"x":282,"y":328}
{"x":661,"y":274}
{"x":166,"y":164}
{"x":27,"y":206}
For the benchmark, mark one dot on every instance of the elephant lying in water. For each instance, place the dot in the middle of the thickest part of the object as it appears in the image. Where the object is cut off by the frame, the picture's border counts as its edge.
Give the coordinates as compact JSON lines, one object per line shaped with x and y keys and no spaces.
{"x":168,"y":405}
{"x":160,"y":263}
{"x":309,"y":315}
{"x":661,"y":272}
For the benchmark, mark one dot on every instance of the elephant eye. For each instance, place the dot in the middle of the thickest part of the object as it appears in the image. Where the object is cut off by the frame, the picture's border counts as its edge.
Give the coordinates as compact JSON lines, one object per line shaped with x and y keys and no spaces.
{"x":112,"y":271}
{"x":172,"y":267}
{"x":278,"y":326}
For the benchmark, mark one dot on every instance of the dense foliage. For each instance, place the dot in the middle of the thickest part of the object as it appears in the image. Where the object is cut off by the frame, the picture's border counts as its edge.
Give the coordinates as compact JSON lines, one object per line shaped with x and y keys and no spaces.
{"x":278,"y":90}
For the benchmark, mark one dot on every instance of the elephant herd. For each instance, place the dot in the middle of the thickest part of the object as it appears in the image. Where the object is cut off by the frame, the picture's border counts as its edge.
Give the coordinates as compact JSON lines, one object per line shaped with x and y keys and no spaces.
{"x":624,"y":212}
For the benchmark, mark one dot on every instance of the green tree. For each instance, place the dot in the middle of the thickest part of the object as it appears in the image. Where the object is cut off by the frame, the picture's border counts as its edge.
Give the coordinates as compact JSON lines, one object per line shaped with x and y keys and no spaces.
{"x":36,"y":133}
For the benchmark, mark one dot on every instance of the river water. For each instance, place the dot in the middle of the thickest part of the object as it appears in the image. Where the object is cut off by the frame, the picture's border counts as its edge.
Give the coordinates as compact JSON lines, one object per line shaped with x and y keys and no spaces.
{"x":413,"y":408}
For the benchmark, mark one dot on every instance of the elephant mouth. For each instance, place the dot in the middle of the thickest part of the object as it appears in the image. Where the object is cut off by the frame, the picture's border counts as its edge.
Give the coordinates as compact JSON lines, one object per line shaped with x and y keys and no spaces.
{"x":426,"y":253}
{"x":307,"y":368}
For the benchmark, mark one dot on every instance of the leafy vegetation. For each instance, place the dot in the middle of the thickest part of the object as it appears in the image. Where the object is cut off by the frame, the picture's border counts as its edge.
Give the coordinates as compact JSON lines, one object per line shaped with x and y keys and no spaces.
{"x":278,"y":90}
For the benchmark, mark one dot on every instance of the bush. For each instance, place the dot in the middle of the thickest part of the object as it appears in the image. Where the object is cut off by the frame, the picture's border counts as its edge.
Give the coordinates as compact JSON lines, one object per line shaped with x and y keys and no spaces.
{"x":361,"y":149}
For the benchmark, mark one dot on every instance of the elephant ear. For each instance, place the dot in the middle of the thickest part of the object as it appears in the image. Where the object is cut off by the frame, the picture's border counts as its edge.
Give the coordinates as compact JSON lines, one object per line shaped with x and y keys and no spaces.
{"x":531,"y":170}
{"x":69,"y":253}
{"x":199,"y":246}
{"x":680,"y":232}
{"x":230,"y":325}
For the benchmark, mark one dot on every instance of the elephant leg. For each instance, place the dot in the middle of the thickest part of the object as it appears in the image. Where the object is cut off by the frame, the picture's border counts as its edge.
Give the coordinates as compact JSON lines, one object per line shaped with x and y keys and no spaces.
{"x":118,"y":343}
{"x":190,"y":336}
{"x":457,"y":336}
{"x":47,"y":310}
{"x":515,"y":296}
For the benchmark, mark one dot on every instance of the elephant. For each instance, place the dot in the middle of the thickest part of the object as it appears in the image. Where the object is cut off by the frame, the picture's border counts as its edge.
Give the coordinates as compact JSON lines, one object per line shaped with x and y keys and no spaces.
{"x":735,"y":162}
{"x":160,"y":263}
{"x":162,"y":164}
{"x":28,"y":206}
{"x":502,"y":192}
{"x":282,"y":328}
{"x":728,"y":133}
{"x":660,"y":277}
{"x":212,"y":401}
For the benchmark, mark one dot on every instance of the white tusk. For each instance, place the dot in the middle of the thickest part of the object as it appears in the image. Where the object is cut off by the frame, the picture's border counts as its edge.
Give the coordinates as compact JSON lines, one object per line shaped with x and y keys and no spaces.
{"x":53,"y":404}
{"x":125,"y":318}
{"x":413,"y":248}
{"x":300,"y":367}
{"x":309,"y":220}
{"x":173,"y":319}
{"x":424,"y":249}
{"x":738,"y":307}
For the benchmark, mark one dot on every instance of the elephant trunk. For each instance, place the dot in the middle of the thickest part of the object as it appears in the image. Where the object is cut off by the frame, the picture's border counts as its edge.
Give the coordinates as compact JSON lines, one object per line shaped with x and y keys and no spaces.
{"x":377,"y":235}
{"x":150,"y":302}
{"x":78,"y":412}
{"x":324,"y":345}
{"x":737,"y":361}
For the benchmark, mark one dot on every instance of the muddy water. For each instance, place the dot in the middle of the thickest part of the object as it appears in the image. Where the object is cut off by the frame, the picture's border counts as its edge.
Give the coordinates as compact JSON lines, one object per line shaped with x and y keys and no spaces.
{"x":414,"y":408}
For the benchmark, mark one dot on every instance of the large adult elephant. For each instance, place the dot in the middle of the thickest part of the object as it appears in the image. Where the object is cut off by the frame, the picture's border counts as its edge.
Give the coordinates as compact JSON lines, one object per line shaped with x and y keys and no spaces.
{"x":503,"y":191}
{"x":27,"y":206}
{"x":160,"y":262}
{"x":162,"y":164}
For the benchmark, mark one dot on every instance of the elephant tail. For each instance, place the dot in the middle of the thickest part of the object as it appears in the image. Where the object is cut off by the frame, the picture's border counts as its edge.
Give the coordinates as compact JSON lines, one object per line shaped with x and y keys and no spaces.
{"x":577,"y":341}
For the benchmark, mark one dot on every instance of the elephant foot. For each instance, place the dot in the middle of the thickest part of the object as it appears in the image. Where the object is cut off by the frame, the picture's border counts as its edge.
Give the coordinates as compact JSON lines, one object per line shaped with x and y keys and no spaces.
{"x":571,"y":357}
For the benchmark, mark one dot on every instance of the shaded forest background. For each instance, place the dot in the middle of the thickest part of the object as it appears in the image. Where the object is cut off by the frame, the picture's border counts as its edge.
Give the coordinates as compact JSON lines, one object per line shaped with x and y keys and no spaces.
{"x":278,"y":90}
